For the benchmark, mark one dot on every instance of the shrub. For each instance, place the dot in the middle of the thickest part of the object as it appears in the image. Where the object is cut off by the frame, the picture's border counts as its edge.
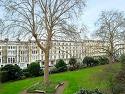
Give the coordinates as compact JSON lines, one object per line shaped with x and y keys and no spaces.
{"x":53,"y":70}
{"x":3,"y":76}
{"x":95,"y":62}
{"x":122,"y":58}
{"x":89,"y":61}
{"x":26,"y":73}
{"x":103,"y":60}
{"x":34,"y":69}
{"x":73,"y":64}
{"x":80,"y":65}
{"x":84,"y":91}
{"x":61,"y":66}
{"x":41,"y":72}
{"x":122,"y":61}
{"x":118,"y":88}
{"x":14,"y":71}
{"x":118,"y":83}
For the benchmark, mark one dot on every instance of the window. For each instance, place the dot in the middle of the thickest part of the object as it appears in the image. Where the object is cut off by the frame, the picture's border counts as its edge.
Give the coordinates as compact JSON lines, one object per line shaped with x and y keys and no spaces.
{"x":13,"y":60}
{"x":21,"y":52}
{"x":0,"y":60}
{"x":52,"y":62}
{"x":0,"y":53}
{"x":8,"y":60}
{"x":41,"y":52}
{"x":43,"y":63}
{"x":14,"y":47}
{"x":0,"y":47}
{"x":9,"y":47}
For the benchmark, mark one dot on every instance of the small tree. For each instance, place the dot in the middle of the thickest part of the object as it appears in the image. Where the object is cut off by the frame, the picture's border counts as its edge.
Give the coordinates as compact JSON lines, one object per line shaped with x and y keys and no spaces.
{"x":88,"y":61}
{"x":34,"y":69}
{"x":61,"y":65}
{"x":73,"y":62}
{"x":103,"y":60}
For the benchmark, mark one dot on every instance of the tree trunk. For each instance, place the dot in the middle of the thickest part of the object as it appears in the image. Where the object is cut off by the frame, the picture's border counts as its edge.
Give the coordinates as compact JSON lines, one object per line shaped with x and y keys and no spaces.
{"x":110,"y":59}
{"x":46,"y":70}
{"x":111,"y":54}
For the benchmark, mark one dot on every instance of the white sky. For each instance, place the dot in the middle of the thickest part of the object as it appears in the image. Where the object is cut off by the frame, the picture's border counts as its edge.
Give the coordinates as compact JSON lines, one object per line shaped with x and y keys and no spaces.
{"x":94,"y":8}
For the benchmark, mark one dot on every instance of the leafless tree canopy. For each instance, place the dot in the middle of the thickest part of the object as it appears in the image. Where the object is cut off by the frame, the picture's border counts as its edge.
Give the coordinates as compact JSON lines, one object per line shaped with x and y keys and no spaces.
{"x":42,"y":19}
{"x":22,"y":16}
{"x":110,"y":29}
{"x":110,"y":23}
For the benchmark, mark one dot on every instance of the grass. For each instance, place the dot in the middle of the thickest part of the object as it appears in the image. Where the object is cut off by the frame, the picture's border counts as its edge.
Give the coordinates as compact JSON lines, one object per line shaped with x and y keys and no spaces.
{"x":40,"y":86}
{"x":84,"y":78}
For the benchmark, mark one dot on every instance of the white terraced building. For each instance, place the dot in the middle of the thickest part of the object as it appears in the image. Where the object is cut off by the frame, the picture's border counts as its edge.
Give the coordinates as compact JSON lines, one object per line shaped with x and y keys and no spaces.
{"x":23,"y":53}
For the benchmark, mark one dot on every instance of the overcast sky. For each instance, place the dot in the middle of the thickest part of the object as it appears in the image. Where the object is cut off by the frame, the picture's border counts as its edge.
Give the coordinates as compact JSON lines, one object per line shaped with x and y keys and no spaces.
{"x":94,"y":7}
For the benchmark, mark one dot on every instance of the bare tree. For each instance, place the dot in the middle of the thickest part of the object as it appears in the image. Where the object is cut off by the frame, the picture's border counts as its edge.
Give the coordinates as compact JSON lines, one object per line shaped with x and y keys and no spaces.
{"x":110,"y":28}
{"x":42,"y":19}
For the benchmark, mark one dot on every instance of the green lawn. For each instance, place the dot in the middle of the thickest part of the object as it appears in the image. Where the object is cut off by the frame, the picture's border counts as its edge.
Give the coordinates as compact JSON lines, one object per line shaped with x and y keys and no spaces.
{"x":76,"y":79}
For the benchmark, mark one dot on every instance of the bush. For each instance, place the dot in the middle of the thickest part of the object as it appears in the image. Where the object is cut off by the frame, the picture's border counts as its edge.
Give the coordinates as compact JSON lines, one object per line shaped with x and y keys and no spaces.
{"x":34,"y":69}
{"x":122,"y":61}
{"x":61,"y":66}
{"x":118,"y":83}
{"x":3,"y":76}
{"x":89,"y":61}
{"x":73,"y":64}
{"x":122,"y":58}
{"x":41,"y":72}
{"x":118,"y":88}
{"x":53,"y":70}
{"x":26,"y":73}
{"x":84,"y":91}
{"x":95,"y":62}
{"x":103,"y":60}
{"x":14,"y":72}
